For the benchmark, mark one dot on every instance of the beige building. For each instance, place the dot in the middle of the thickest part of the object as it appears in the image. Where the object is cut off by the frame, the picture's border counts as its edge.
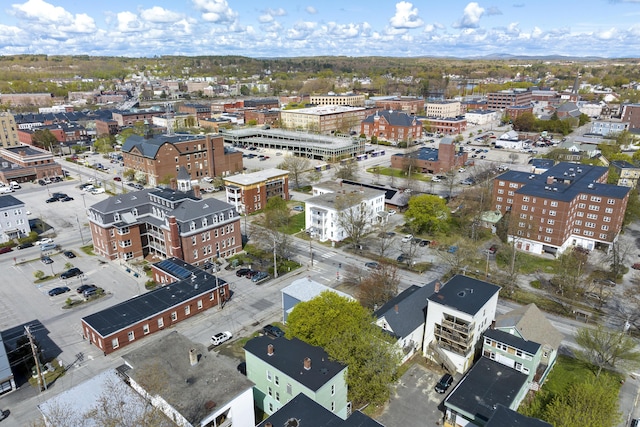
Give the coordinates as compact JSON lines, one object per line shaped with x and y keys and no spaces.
{"x":324,"y":119}
{"x":9,"y":131}
{"x":443,"y":109}
{"x":351,"y":100}
{"x":249,"y":192}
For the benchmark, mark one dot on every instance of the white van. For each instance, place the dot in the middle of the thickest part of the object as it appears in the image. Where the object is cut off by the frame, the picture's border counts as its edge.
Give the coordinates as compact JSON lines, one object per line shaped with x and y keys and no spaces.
{"x":97,"y":190}
{"x":14,"y":185}
{"x":5,"y":190}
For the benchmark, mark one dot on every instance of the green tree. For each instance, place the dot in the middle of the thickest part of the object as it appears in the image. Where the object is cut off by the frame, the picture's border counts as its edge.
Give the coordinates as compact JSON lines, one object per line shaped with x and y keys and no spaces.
{"x":632,"y":212}
{"x":427,"y":214}
{"x":605,"y":348}
{"x":296,"y":166}
{"x":347,"y":332}
{"x":44,"y":138}
{"x":525,"y":122}
{"x":244,"y":90}
{"x":591,"y":403}
{"x":38,"y":274}
{"x":129,"y":174}
{"x":104,"y":144}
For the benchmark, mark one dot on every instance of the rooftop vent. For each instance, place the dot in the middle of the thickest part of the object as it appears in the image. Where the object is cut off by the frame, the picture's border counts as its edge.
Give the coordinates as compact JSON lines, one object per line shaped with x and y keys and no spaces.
{"x":532,"y":176}
{"x":555,"y":188}
{"x":590,"y":186}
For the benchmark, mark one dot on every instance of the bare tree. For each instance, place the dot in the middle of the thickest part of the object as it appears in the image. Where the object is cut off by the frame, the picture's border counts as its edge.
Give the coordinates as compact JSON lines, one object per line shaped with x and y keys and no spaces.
{"x":572,"y":271}
{"x":349,"y":170}
{"x":616,"y":258}
{"x":296,"y":167}
{"x":457,"y":255}
{"x":376,"y":174}
{"x":385,"y":239}
{"x":379,"y":287}
{"x":353,"y":216}
{"x":514,"y":157}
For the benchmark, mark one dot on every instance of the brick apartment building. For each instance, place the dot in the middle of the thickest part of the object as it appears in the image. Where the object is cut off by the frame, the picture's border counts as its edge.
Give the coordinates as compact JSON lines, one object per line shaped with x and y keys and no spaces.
{"x":631,"y":114}
{"x":162,"y":156}
{"x":432,"y":160}
{"x":513,"y":112}
{"x":392,"y":126}
{"x":262,"y":117}
{"x":107,"y":127}
{"x":199,"y":110}
{"x":130,"y":118}
{"x":261,"y":103}
{"x":165,"y":222}
{"x":508,"y":98}
{"x":249,"y":192}
{"x":188,"y":291}
{"x":406,"y":104}
{"x":567,"y":205}
{"x":446,"y":126}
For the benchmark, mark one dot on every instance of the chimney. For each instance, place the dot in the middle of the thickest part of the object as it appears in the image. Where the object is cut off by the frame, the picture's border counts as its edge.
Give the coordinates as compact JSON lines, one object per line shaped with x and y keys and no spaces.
{"x":396,"y":308}
{"x":550,"y":180}
{"x":270,"y":350}
{"x":436,"y":289}
{"x":173,"y":184}
{"x":493,"y":324}
{"x":307,"y":363}
{"x":196,"y":191}
{"x":268,"y":424}
{"x":193,"y":357}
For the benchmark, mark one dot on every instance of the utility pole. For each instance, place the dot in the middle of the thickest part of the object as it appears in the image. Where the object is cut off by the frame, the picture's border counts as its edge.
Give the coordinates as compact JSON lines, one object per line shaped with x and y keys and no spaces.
{"x":310,"y":251}
{"x":275,"y":266}
{"x":79,"y":227}
{"x":41,"y":381}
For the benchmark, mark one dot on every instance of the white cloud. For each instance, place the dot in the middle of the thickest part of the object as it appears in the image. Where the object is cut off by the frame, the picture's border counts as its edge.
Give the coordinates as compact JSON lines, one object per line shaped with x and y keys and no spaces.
{"x":53,"y":16}
{"x":406,"y":16}
{"x":311,"y":10}
{"x":217,"y":11}
{"x":471,"y":16}
{"x":160,"y":15}
{"x":607,"y":34}
{"x":270,"y":14}
{"x":266,"y":18}
{"x":128,"y":22}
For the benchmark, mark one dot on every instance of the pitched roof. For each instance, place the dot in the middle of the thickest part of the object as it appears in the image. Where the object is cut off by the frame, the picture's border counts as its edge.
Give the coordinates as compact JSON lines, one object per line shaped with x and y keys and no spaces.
{"x":465,"y":294}
{"x":406,"y":311}
{"x":531,"y":324}
{"x":288,"y":357}
{"x":394,"y":118}
{"x":503,"y":416}
{"x":306,"y":289}
{"x":148,"y":147}
{"x":310,"y":413}
{"x":511,"y":340}
{"x":487,"y":384}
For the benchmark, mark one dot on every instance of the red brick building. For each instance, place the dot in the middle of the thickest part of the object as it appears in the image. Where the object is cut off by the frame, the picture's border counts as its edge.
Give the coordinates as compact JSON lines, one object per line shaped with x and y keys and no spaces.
{"x":406,"y":104}
{"x":249,"y":192}
{"x":432,"y":160}
{"x":107,"y":127}
{"x":567,"y":205}
{"x":392,"y":126}
{"x":165,"y":222}
{"x":162,"y":156}
{"x":446,"y":126}
{"x":186,"y":292}
{"x":27,"y":163}
{"x":631,"y":115}
{"x":130,"y":118}
{"x":262,"y":117}
{"x":199,"y":110}
{"x":516,"y":111}
{"x":509,"y":98}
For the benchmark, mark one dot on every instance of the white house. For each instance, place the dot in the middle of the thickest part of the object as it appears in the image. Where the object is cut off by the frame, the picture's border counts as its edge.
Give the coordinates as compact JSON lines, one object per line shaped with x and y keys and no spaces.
{"x":482,"y":117}
{"x":332,"y":201}
{"x":14,"y":222}
{"x":302,"y":290}
{"x":458,"y":312}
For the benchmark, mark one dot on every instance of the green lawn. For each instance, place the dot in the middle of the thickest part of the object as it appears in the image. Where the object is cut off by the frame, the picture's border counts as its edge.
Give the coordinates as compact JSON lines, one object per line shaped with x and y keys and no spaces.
{"x":296,"y":223}
{"x":398,"y":173}
{"x":528,"y":263}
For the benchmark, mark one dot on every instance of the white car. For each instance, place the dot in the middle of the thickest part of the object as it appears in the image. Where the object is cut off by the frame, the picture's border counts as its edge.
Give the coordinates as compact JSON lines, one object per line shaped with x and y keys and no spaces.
{"x":461,"y":170}
{"x":391,"y":211}
{"x":435,"y":179}
{"x":44,"y":241}
{"x":221,"y":337}
{"x":407,"y":238}
{"x":207,"y":179}
{"x":98,"y":190}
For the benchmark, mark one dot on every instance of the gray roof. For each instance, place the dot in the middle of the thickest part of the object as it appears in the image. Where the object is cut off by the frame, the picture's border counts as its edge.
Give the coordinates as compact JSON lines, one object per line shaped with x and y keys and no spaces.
{"x":486,"y":385}
{"x":306,"y":289}
{"x":8,"y":201}
{"x":350,"y":195}
{"x":149,"y":304}
{"x":255,"y":177}
{"x":531,"y":324}
{"x":288,"y":357}
{"x":571,"y":180}
{"x":428,"y":153}
{"x":392,"y":196}
{"x":183,"y":174}
{"x":503,"y":416}
{"x":149,"y":147}
{"x":394,"y":118}
{"x":465,"y":294}
{"x":512,"y":341}
{"x":411,"y":309}
{"x":188,"y":389}
{"x":542,"y":163}
{"x":311,"y":413}
{"x":5,"y":368}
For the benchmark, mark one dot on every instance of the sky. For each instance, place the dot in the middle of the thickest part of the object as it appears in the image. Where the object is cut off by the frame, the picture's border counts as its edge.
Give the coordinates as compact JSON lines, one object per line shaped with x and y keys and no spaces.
{"x":286,"y":28}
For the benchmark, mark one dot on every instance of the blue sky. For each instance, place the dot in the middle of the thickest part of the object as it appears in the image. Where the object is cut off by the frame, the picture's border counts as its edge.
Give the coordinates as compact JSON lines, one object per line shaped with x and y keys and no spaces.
{"x":255,"y":28}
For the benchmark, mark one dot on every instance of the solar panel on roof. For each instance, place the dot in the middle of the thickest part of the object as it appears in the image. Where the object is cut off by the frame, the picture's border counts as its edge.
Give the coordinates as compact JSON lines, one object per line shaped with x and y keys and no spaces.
{"x":175,"y":269}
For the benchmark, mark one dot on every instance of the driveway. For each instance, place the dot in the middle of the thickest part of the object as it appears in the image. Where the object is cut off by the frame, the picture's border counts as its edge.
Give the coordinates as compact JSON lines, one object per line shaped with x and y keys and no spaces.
{"x":414,"y":401}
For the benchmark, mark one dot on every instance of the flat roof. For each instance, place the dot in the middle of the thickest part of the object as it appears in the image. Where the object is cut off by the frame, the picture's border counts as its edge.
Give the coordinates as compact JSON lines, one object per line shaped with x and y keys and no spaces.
{"x":324,"y":109}
{"x":288,"y":357}
{"x":306,"y":289}
{"x":149,"y":304}
{"x":256,"y":177}
{"x":465,"y":294}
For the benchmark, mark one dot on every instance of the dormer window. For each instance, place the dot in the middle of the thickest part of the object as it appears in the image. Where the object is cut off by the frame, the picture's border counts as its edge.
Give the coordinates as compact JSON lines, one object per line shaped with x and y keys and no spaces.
{"x":192,"y":226}
{"x":204,"y":222}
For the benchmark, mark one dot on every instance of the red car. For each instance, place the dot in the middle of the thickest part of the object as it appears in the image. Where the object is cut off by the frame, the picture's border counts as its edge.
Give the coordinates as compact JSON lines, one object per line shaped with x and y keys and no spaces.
{"x":636,"y":266}
{"x":117,"y":178}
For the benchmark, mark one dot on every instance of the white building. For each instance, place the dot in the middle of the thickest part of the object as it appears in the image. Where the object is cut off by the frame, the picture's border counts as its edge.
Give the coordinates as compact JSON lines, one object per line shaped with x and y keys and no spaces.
{"x":14,"y":222}
{"x":442,"y":108}
{"x":332,"y":201}
{"x":591,"y":109}
{"x":482,"y":117}
{"x":458,"y":312}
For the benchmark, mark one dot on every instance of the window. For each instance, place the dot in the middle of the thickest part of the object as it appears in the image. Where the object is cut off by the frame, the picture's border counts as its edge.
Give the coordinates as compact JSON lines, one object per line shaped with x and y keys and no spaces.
{"x":552,"y":213}
{"x":592,"y":216}
{"x":588,"y":233}
{"x":606,"y":219}
{"x":605,"y":228}
{"x":269,"y":375}
{"x":578,"y":222}
{"x":590,"y":224}
{"x":270,"y":391}
{"x":276,"y":380}
{"x":549,"y":230}
{"x":145,"y":328}
{"x":131,"y":335}
{"x":603,"y":235}
{"x":289,"y":389}
{"x":161,"y":323}
{"x":596,"y":199}
{"x":500,"y":191}
{"x":611,"y":202}
{"x":581,"y":205}
{"x":525,"y":207}
{"x":278,"y":396}
{"x":192,"y":226}
{"x":550,"y":222}
{"x":513,"y":185}
{"x":333,"y":389}
{"x":115,"y":343}
{"x":174,"y":316}
{"x":193,"y":240}
{"x":333,"y":406}
{"x":554,"y":204}
{"x":608,"y":210}
{"x":580,"y":214}
{"x":187,"y":310}
{"x":525,"y":199}
{"x":509,"y":193}
{"x":547,"y":239}
{"x":501,"y":183}
{"x":594,"y":208}
{"x":199,"y":304}
{"x":270,"y":407}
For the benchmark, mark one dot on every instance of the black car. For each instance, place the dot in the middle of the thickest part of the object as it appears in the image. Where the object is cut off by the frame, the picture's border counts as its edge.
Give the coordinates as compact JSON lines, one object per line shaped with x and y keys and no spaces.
{"x":273,"y":331}
{"x":69,"y":254}
{"x":424,"y":243}
{"x":57,"y":291}
{"x":46,"y":260}
{"x":66,"y":199}
{"x":444,"y":383}
{"x":51,"y":199}
{"x":24,"y":245}
{"x":372,"y":265}
{"x":243,"y":272}
{"x":83,"y":288}
{"x":72,"y":272}
{"x":59,"y":195}
{"x":403,"y":258}
{"x":41,"y":182}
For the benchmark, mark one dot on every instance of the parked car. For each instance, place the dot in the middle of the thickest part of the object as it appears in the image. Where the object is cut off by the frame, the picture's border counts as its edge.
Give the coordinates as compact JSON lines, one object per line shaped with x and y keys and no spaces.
{"x":48,"y":247}
{"x":436,"y":179}
{"x":273,"y":331}
{"x":635,"y":422}
{"x":69,"y":254}
{"x":424,"y":243}
{"x":298,"y":208}
{"x":24,"y":245}
{"x":207,"y":179}
{"x":392,"y":211}
{"x":221,"y":337}
{"x":90,"y":292}
{"x":492,"y":249}
{"x":636,"y":266}
{"x":44,"y":241}
{"x":59,"y":290}
{"x":66,"y":199}
{"x":72,"y":272}
{"x":259,"y":277}
{"x":443,"y":385}
{"x":372,"y":265}
{"x":46,"y":260}
{"x":51,"y":199}
{"x":82,"y":288}
{"x":403,"y":258}
{"x":117,"y":178}
{"x":251,"y":273}
{"x":242,"y":272}
{"x":407,"y":238}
